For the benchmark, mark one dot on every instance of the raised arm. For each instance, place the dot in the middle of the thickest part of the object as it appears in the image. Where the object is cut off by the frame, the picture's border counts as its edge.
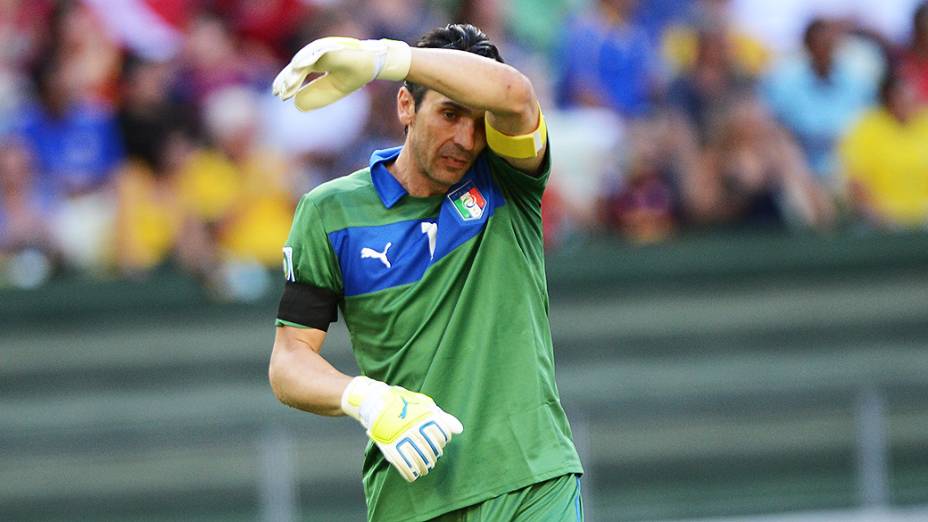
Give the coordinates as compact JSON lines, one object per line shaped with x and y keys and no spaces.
{"x":481,"y":83}
{"x":515,"y":127}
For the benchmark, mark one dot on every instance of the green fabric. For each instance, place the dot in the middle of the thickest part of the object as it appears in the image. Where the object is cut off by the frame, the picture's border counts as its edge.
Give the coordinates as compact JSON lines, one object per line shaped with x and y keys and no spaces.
{"x":314,"y":261}
{"x":555,"y":500}
{"x":473,"y":334}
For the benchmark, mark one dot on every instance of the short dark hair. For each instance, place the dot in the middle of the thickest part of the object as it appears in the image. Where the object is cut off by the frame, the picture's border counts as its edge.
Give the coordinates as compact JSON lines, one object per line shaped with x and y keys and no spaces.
{"x":888,"y":85}
{"x":463,"y":37}
{"x":815,"y":27}
{"x":919,"y":19}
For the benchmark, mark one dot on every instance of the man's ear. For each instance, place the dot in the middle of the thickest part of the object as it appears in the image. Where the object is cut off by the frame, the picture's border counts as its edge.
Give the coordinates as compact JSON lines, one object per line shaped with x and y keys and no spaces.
{"x":405,"y":106}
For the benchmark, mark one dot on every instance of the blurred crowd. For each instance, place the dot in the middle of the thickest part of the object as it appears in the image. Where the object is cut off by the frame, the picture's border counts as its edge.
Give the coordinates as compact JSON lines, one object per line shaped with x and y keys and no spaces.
{"x":140,"y":133}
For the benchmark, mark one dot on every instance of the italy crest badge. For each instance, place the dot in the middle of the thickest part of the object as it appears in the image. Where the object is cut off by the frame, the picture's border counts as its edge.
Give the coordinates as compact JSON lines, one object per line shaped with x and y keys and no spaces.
{"x":468,"y":201}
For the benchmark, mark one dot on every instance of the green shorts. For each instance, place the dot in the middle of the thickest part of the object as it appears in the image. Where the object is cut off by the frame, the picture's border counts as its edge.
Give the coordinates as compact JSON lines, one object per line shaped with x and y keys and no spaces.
{"x":555,"y":500}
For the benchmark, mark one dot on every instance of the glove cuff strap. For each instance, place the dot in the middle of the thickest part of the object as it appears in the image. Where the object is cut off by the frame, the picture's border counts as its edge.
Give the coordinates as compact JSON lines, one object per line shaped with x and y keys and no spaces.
{"x":359,"y":390}
{"x":396,"y":62}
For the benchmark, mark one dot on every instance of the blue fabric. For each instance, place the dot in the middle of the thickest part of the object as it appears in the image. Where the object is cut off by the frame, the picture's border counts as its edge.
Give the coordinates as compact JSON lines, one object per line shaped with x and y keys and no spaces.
{"x":75,"y":152}
{"x":655,"y":15}
{"x":408,"y":254}
{"x":614,"y":63}
{"x":817,"y":110}
{"x":388,"y":188}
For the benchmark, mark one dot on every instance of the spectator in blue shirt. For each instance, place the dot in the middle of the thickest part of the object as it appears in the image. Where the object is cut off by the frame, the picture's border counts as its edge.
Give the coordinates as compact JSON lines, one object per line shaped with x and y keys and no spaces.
{"x":76,"y":143}
{"x":704,"y":92}
{"x":818,"y":96}
{"x":606,"y":60}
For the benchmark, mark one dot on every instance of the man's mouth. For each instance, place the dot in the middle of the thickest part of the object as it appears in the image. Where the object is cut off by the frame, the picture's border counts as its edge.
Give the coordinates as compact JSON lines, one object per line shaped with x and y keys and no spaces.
{"x":456,"y":163}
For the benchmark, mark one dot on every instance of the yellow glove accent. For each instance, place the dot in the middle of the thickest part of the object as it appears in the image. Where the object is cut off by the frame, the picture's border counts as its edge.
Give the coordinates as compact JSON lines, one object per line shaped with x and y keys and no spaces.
{"x":348,"y":64}
{"x":393,"y":420}
{"x":409,"y":428}
{"x":518,"y":147}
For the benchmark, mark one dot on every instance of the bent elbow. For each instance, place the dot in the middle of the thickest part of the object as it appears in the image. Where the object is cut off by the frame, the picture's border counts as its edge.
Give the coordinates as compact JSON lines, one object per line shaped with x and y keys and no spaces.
{"x":277,"y":377}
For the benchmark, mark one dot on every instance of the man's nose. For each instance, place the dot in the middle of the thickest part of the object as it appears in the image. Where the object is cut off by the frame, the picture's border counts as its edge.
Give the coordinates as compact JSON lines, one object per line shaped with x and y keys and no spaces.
{"x":465,"y":134}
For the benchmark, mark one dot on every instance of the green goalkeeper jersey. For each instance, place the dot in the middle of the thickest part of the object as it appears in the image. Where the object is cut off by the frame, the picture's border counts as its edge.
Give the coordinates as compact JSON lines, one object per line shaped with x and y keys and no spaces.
{"x":444,"y":295}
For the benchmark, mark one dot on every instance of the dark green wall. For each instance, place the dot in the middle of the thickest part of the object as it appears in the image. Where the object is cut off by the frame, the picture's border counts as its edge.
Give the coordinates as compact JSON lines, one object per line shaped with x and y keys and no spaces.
{"x":710,"y":376}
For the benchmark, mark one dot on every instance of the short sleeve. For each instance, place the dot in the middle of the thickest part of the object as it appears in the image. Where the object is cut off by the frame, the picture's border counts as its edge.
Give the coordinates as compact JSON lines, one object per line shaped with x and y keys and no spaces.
{"x":518,"y":184}
{"x":313,"y":283}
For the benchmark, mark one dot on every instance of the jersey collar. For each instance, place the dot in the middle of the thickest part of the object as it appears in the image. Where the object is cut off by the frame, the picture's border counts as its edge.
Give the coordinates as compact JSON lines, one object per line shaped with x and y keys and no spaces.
{"x":388,"y":188}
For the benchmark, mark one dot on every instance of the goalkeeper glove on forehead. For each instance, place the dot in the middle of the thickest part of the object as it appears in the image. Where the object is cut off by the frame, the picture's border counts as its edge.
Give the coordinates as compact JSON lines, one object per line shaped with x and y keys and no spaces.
{"x":347,"y":65}
{"x":409,"y":428}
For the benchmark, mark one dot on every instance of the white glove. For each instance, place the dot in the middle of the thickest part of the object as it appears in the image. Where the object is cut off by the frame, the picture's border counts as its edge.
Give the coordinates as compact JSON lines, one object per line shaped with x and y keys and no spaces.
{"x":348,"y":64}
{"x":408,"y":428}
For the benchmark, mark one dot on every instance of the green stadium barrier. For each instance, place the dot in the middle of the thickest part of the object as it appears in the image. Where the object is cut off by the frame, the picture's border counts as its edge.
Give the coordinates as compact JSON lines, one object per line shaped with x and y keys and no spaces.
{"x":710,"y":376}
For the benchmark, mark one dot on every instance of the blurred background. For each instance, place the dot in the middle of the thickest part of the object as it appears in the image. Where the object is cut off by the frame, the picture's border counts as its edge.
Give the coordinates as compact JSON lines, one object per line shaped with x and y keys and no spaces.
{"x":735,"y":225}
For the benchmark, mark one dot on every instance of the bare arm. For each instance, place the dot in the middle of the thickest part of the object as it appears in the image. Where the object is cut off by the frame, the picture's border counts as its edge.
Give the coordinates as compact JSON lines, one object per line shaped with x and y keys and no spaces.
{"x":301,"y":377}
{"x":481,"y":83}
{"x":809,"y":201}
{"x":702,"y":188}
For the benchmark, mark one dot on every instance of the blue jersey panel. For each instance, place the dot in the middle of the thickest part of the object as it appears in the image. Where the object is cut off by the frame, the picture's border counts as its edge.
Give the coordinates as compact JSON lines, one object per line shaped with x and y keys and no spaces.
{"x":377,"y":257}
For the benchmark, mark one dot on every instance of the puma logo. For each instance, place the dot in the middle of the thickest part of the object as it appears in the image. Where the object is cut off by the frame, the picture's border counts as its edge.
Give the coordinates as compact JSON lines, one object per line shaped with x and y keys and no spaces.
{"x":370,"y":253}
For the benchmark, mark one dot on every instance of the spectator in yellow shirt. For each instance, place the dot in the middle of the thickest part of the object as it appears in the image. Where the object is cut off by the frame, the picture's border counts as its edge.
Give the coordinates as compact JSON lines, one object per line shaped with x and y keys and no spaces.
{"x":885,"y":159}
{"x":241,"y":189}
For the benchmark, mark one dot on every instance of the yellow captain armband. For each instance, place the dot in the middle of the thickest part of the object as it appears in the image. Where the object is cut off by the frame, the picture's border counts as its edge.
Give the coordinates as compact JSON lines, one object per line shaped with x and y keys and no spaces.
{"x":524,"y":146}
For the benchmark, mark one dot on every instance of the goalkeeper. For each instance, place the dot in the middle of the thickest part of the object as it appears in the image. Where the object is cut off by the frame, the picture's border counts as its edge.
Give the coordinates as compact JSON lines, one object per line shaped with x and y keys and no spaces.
{"x":434,"y":256}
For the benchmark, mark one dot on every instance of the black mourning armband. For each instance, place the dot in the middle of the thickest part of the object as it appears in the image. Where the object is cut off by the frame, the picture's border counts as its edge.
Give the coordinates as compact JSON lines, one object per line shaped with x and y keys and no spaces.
{"x":308,"y":305}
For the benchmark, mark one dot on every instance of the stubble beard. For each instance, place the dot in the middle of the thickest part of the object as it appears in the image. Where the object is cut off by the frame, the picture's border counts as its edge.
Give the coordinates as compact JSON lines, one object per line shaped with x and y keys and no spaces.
{"x":438,"y":176}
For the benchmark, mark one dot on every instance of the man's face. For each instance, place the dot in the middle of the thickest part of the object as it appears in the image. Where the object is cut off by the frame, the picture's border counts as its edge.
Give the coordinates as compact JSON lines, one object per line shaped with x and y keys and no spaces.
{"x":444,"y":136}
{"x":902,"y":100}
{"x":823,"y":43}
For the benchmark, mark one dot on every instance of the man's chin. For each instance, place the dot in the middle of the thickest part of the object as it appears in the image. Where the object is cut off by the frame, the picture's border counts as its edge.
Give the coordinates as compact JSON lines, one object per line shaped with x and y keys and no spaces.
{"x":447,"y":176}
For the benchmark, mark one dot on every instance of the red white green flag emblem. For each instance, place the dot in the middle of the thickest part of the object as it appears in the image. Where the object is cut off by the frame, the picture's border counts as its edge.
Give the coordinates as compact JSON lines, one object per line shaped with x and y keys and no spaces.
{"x":468,"y":201}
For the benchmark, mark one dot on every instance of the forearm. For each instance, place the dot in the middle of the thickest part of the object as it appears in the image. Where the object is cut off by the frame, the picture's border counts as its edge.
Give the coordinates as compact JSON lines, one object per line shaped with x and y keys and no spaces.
{"x":479,"y":83}
{"x":812,"y":204}
{"x":303,"y":379}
